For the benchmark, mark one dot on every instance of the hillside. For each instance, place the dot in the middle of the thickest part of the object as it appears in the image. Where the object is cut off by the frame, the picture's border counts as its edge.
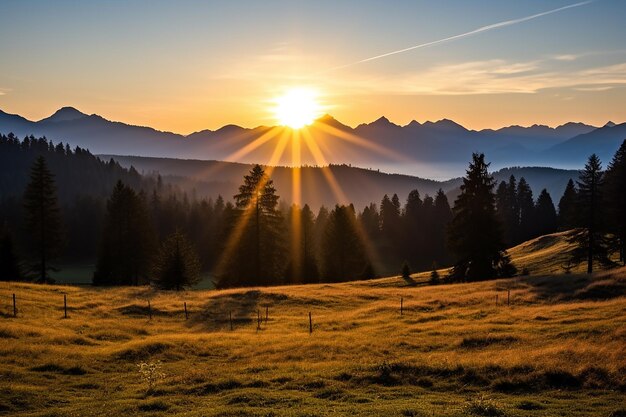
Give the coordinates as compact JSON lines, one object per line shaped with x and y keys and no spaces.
{"x":556,"y":350}
{"x":358,"y":186}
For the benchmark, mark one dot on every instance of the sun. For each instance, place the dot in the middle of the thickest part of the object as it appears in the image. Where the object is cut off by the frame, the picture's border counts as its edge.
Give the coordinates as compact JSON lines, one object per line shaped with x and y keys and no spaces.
{"x":297,"y":108}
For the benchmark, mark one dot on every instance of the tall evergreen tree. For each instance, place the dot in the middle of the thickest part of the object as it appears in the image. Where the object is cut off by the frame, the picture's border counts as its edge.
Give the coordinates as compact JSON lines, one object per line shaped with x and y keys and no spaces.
{"x":127,"y":241}
{"x":177,"y":265}
{"x":591,"y":241}
{"x":302,"y":266}
{"x":43,"y":219}
{"x":545,"y":215}
{"x":10,"y":265}
{"x":615,"y":197}
{"x":526,"y":205}
{"x":258,"y":255}
{"x":475,"y":236}
{"x":343,"y":252}
{"x":442,"y":217}
{"x":507,"y":208}
{"x":567,"y":217}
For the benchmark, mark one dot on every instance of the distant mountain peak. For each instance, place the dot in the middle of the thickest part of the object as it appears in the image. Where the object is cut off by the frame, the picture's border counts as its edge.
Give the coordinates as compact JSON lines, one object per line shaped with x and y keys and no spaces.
{"x":609,"y":124}
{"x":413,"y":123}
{"x":65,"y":114}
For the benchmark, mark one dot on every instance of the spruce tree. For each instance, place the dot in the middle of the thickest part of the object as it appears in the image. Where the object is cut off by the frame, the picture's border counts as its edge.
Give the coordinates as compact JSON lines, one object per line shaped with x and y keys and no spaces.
{"x":127,"y":241}
{"x":526,"y":206}
{"x":474,"y":233}
{"x":545,"y":215}
{"x":343,"y":252}
{"x":10,"y":265}
{"x":567,"y":217}
{"x":441,"y":219}
{"x":177,"y":265}
{"x":257,"y":255}
{"x":615,"y":197}
{"x":590,"y":240}
{"x":43,"y":219}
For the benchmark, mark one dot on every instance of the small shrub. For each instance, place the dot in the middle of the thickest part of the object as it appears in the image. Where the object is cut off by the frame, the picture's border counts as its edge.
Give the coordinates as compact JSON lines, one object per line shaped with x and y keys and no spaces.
{"x":151,"y":373}
{"x":406,"y":270}
{"x":156,"y":405}
{"x":483,"y":406}
{"x":530,"y":405}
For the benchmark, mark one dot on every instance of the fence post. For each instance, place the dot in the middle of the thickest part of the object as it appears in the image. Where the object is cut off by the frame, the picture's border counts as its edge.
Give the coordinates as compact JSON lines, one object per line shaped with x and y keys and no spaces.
{"x":401,"y":306}
{"x":149,"y":310}
{"x":230,"y":319}
{"x":14,"y":307}
{"x":266,"y":314}
{"x":310,"y":323}
{"x":65,"y":304}
{"x":508,"y":297}
{"x":186,"y":314}
{"x":258,"y":319}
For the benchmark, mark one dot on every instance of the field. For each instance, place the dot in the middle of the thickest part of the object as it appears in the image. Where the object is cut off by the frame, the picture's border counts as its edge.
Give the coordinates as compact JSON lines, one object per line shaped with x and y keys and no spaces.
{"x":558,"y":349}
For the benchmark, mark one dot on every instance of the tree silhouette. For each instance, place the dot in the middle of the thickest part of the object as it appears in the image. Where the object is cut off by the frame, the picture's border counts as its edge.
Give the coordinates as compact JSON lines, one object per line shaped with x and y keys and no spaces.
{"x":615,"y":184}
{"x":590,"y":240}
{"x":127,"y":241}
{"x":10,"y":265}
{"x":545,"y":215}
{"x":343,"y":252}
{"x":43,"y":219}
{"x":526,"y":206}
{"x":258,"y":254}
{"x":475,"y":236}
{"x":567,"y":207}
{"x":177,"y":265}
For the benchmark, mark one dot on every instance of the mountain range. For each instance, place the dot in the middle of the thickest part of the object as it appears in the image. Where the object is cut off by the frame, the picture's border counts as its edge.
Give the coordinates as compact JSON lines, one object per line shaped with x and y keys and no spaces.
{"x":438,"y":149}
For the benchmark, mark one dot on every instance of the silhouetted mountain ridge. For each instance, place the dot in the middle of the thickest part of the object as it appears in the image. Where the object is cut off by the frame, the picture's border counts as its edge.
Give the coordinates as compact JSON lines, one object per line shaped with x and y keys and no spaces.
{"x":381,"y":143}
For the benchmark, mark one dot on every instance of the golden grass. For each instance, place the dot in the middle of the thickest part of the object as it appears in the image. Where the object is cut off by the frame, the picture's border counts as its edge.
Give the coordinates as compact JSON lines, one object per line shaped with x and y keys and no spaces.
{"x":559,"y":349}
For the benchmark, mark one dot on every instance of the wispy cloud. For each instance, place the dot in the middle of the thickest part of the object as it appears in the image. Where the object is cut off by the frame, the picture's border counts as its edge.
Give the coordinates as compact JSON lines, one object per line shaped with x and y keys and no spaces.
{"x":494,"y":76}
{"x":466,"y":34}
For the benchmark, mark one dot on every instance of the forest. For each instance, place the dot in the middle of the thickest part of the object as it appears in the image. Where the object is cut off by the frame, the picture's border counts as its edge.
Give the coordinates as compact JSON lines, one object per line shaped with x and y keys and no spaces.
{"x":62,"y":204}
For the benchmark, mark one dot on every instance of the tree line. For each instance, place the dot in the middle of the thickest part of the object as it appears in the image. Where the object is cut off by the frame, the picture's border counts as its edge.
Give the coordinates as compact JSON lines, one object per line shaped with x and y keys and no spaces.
{"x":146,"y":231}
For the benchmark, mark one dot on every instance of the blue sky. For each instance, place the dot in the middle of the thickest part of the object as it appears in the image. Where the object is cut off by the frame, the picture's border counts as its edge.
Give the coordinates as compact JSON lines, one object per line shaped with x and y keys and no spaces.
{"x":185,"y":65}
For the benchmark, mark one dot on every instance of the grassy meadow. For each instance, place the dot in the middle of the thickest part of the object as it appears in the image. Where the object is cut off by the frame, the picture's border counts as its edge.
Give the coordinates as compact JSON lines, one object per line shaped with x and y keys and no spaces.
{"x":558,"y":349}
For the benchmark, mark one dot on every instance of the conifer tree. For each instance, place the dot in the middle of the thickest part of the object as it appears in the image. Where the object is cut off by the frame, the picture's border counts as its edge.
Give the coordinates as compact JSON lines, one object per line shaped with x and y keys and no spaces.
{"x":128,"y":240}
{"x":545,"y":215}
{"x":590,"y":240}
{"x":475,"y":236}
{"x":43,"y":219}
{"x":567,"y":217}
{"x":526,"y":206}
{"x":10,"y":265}
{"x":258,"y":254}
{"x":343,"y":252}
{"x":615,"y":195}
{"x":177,"y":265}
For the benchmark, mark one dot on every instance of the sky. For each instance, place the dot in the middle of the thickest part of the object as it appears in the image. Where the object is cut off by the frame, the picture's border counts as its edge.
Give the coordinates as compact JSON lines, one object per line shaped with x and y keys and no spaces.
{"x":186,"y":66}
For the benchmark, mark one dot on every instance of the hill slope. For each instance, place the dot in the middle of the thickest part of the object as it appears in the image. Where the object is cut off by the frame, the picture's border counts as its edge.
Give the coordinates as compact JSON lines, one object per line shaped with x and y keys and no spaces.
{"x":558,"y":348}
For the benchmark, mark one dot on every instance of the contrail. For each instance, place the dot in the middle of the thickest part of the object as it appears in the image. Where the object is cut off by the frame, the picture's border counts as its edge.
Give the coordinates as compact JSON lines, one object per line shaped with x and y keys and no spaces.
{"x":470,"y":33}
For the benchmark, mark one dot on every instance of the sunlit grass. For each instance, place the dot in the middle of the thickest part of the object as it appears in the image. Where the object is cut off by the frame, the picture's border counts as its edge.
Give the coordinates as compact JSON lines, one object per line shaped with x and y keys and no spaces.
{"x":560,"y":346}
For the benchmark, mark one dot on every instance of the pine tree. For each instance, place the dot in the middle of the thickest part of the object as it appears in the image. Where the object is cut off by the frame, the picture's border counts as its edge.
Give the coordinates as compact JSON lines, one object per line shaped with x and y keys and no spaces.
{"x":257,"y":255}
{"x":590,"y":240}
{"x":43,"y":219}
{"x":177,"y":265}
{"x":508,"y":210}
{"x":615,"y":197}
{"x":526,"y":206}
{"x":441,"y":219}
{"x":127,"y":241}
{"x":10,"y":265}
{"x":474,"y":233}
{"x":545,"y":215}
{"x":406,"y":270}
{"x":567,"y":217}
{"x":343,"y":252}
